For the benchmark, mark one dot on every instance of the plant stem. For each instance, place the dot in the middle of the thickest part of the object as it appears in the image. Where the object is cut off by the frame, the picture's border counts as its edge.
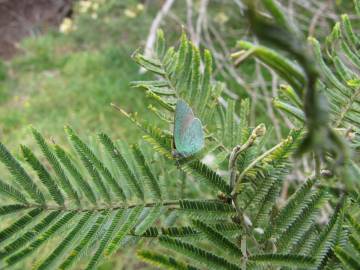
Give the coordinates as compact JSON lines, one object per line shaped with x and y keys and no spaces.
{"x":257,"y":132}
{"x":317,"y":165}
{"x":255,"y":161}
{"x":169,"y":203}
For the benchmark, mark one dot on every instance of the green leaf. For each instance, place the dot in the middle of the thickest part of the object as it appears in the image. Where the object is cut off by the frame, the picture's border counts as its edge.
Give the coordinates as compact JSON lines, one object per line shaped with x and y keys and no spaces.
{"x":345,"y":257}
{"x":217,"y":239}
{"x":18,"y":225}
{"x":132,"y":216}
{"x":61,"y":176}
{"x":84,"y":150}
{"x":229,"y":125}
{"x":303,"y":222}
{"x":43,"y":174}
{"x":329,"y":237}
{"x":105,"y":239}
{"x":292,"y":210}
{"x":208,"y":259}
{"x":76,"y":175}
{"x":152,"y":215}
{"x":11,"y":208}
{"x":277,"y":13}
{"x":289,"y":109}
{"x":355,"y":225}
{"x":149,"y":179}
{"x":166,"y":262}
{"x":88,"y":238}
{"x":40,"y":240}
{"x":55,"y":255}
{"x":12,"y":192}
{"x":149,"y":64}
{"x":89,"y":165}
{"x":286,"y":69}
{"x":348,"y":31}
{"x":20,"y":176}
{"x":288,"y":260}
{"x":22,"y":240}
{"x":160,"y":43}
{"x":202,"y":172}
{"x":195,"y":75}
{"x":205,"y":93}
{"x":206,"y":209}
{"x":123,"y":166}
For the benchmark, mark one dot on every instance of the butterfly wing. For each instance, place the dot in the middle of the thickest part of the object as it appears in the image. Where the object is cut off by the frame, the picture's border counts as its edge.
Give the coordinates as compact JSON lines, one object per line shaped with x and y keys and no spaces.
{"x":188,"y":132}
{"x":183,"y":117}
{"x":192,"y":140}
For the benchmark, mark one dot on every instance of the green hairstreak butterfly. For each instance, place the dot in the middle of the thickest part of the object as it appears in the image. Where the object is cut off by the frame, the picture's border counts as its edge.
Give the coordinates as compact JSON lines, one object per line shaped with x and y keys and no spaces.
{"x":188,"y":131}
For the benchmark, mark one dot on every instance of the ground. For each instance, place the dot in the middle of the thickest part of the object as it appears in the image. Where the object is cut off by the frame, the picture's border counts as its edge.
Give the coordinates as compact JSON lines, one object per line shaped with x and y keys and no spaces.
{"x":21,"y":18}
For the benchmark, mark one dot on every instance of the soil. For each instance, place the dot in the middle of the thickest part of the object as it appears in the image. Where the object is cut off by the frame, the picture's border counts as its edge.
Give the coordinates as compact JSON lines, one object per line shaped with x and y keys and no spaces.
{"x":21,"y":18}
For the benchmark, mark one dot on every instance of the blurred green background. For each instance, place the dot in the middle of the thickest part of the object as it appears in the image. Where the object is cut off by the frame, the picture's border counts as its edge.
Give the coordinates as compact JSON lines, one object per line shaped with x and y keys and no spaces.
{"x":71,"y":76}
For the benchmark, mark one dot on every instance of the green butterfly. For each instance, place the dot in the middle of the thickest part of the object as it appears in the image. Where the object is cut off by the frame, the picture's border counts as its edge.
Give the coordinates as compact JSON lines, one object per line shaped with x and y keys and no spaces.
{"x":188,"y":131}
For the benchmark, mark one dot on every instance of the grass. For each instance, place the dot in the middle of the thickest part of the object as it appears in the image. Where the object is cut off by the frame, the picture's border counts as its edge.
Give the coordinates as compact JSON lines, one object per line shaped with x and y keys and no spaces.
{"x":71,"y":79}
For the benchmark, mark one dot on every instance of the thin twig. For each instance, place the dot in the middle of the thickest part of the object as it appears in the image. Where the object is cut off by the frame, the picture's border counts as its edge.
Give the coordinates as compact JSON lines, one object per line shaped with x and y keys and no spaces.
{"x":257,"y":132}
{"x":170,"y":203}
{"x":155,"y":25}
{"x":316,"y":17}
{"x":200,"y":21}
{"x":189,"y":17}
{"x":258,"y":159}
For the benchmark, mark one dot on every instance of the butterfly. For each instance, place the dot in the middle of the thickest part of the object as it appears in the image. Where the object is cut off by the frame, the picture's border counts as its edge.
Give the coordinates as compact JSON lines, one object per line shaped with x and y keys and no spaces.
{"x":188,"y":131}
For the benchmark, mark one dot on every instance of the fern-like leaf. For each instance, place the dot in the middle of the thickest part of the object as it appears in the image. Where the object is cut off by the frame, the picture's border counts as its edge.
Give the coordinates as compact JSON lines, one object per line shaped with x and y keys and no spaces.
{"x":11,"y":260}
{"x":150,"y":179}
{"x":347,"y":259}
{"x":152,"y":215}
{"x":218,"y":240}
{"x":131,"y":220}
{"x":22,"y":240}
{"x":166,"y":262}
{"x":64,"y":245}
{"x":86,"y":240}
{"x":206,"y":209}
{"x":19,"y":224}
{"x":104,"y":171}
{"x":123,"y":166}
{"x":203,"y":173}
{"x":208,"y":259}
{"x":61,"y":176}
{"x":43,"y":174}
{"x":20,"y":176}
{"x":105,"y":239}
{"x":78,"y":178}
{"x":12,"y":192}
{"x":282,"y":260}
